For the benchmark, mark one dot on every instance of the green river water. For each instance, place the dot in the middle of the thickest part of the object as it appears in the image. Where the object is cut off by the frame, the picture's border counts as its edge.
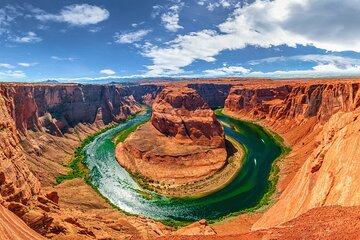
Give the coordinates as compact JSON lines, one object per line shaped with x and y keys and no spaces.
{"x":245,"y":191}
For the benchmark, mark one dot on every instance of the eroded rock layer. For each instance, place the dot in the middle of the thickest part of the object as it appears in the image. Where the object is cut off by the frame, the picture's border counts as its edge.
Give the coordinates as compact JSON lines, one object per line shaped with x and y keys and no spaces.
{"x":183,"y":141}
{"x":58,"y":108}
{"x":320,"y":121}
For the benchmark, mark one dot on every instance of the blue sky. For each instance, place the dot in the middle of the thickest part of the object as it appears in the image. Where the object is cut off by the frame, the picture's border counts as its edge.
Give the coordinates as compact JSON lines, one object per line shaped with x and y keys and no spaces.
{"x":97,"y":40}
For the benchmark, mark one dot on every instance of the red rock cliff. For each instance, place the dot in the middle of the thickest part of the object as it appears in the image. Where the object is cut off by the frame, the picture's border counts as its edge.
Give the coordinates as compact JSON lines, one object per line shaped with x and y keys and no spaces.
{"x":183,"y":142}
{"x":321,"y":122}
{"x":56,"y":108}
{"x":184,"y":115}
{"x":294,"y":101}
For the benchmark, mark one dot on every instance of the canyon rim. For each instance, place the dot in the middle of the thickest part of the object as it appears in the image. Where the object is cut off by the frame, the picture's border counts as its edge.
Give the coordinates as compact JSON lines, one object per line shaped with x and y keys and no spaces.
{"x":173,"y":119}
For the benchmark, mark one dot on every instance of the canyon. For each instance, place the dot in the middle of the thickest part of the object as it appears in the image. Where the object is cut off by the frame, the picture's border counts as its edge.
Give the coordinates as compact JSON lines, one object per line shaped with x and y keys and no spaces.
{"x":42,"y":124}
{"x":182,"y":143}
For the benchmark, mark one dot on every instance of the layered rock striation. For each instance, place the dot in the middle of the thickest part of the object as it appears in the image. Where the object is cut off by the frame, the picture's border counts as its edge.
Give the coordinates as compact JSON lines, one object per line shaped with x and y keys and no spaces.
{"x":294,"y":101}
{"x":58,"y":108}
{"x":320,"y":121}
{"x":183,"y":142}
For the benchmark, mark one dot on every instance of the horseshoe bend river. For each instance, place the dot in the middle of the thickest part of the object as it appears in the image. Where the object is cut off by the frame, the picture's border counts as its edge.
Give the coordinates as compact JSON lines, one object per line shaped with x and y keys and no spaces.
{"x":245,"y":191}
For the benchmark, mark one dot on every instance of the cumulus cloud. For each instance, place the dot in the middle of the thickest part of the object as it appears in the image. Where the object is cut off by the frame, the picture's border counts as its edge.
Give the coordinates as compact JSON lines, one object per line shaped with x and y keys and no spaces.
{"x":107,"y":72}
{"x":170,"y":19}
{"x":29,"y":37}
{"x":75,"y":15}
{"x":6,"y":65}
{"x":131,"y":37}
{"x":227,"y":71}
{"x":265,"y":24}
{"x":12,"y":74}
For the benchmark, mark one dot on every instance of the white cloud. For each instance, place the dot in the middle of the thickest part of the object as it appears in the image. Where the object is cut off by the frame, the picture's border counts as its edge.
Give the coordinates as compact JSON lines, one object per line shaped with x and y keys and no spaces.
{"x":338,"y":61}
{"x":265,"y":24}
{"x":107,"y":72}
{"x":131,"y":37}
{"x":29,"y":37}
{"x":63,"y":58}
{"x":24,"y":64}
{"x":12,"y":74}
{"x":6,"y":65}
{"x":76,"y":15}
{"x":7,"y":16}
{"x":211,"y":5}
{"x":171,"y":19}
{"x":156,"y":11}
{"x":321,"y":70}
{"x":227,"y":71}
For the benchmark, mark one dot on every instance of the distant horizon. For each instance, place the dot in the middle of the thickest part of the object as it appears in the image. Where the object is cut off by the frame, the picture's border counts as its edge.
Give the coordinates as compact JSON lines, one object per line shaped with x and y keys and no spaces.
{"x":96,"y":41}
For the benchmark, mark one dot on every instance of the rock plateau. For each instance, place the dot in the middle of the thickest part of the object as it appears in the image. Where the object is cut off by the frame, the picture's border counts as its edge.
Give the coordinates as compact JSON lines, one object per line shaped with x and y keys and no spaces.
{"x":182,"y":143}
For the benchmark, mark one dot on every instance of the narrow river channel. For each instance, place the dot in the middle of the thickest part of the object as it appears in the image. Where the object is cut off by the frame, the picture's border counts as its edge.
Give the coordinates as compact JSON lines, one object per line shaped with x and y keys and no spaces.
{"x":245,"y":191}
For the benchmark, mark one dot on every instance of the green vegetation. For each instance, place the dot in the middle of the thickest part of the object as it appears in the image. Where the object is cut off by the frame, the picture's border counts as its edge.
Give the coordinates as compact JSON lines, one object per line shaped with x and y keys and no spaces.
{"x":78,"y":169}
{"x":273,"y":176}
{"x":78,"y":166}
{"x":125,"y":133}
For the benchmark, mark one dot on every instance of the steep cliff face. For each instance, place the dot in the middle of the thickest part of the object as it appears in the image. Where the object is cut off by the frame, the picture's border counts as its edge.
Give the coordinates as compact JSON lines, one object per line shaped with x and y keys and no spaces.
{"x":183,"y":141}
{"x":145,"y":93}
{"x":17,"y":183}
{"x":51,"y":120}
{"x":19,"y":188}
{"x":184,"y":115}
{"x":320,"y":120}
{"x":57,"y":108}
{"x":214,"y":94}
{"x":329,"y":176}
{"x":12,"y":228}
{"x":294,"y":102}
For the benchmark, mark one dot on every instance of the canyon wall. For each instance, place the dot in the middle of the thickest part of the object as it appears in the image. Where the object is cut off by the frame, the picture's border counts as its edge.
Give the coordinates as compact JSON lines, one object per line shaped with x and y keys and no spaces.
{"x":214,"y":94}
{"x":329,"y":176}
{"x":294,"y":101}
{"x":320,"y":121}
{"x":40,"y":126}
{"x":182,"y":143}
{"x":182,"y":114}
{"x":58,"y":108}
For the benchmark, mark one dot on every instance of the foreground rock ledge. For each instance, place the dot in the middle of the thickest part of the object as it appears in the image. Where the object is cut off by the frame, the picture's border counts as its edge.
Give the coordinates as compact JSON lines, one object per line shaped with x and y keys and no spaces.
{"x":182,"y":143}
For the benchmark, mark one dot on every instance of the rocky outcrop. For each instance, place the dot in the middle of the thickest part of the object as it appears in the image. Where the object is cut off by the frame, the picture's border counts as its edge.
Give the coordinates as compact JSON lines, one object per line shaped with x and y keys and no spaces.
{"x":17,"y":183}
{"x":297,"y":101}
{"x":12,"y":228}
{"x":145,"y":93}
{"x":182,"y":114}
{"x":320,"y":121}
{"x":198,"y":228}
{"x":214,"y":94}
{"x":328,"y":177}
{"x":58,"y":108}
{"x":19,"y":188}
{"x":183,"y":142}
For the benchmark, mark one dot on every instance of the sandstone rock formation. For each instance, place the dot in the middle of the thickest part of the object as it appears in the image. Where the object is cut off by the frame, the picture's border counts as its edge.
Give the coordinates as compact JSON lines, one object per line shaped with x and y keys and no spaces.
{"x":294,"y":101}
{"x":58,"y":108}
{"x":330,"y":175}
{"x":214,"y":94}
{"x":319,"y":119}
{"x":183,"y":141}
{"x":41,"y":125}
{"x":12,"y":228}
